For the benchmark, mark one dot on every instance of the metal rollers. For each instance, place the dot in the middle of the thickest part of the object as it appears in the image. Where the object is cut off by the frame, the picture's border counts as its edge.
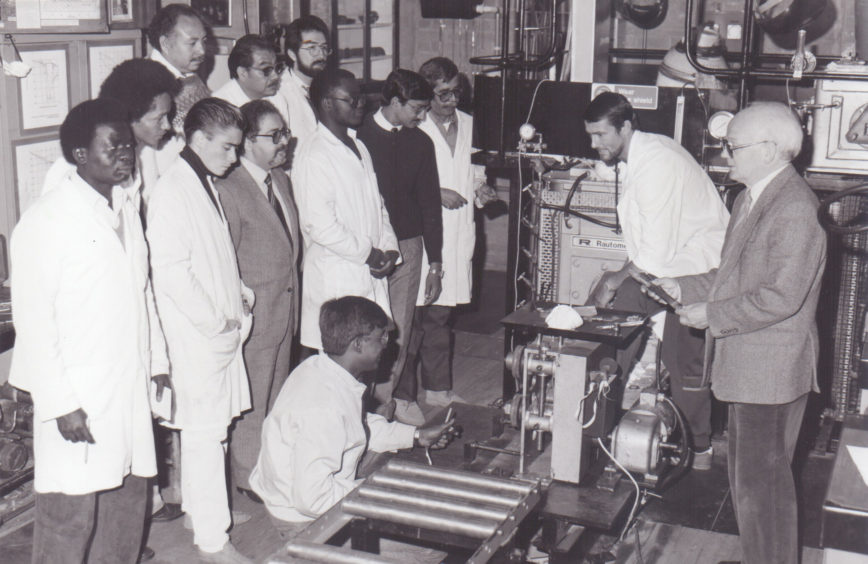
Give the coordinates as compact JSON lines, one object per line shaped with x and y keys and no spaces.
{"x":467,"y":478}
{"x":457,"y":506}
{"x":433,"y":487}
{"x":313,"y":552}
{"x":420,"y":517}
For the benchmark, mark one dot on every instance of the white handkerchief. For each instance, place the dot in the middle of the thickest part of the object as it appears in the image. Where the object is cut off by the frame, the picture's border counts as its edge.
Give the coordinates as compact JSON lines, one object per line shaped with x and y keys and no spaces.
{"x":564,"y":317}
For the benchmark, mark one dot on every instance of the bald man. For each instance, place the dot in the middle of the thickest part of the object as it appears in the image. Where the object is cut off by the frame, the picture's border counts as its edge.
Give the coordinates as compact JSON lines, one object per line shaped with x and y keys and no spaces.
{"x":758,"y":309}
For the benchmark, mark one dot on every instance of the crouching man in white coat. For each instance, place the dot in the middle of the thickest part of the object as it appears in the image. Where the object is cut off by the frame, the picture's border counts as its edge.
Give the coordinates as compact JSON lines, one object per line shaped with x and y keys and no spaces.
{"x":205,"y":311}
{"x":88,"y":342}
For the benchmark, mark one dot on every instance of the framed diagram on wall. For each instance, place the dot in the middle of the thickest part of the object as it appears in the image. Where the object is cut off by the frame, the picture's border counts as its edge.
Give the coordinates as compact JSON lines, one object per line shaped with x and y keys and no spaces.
{"x":32,"y":161}
{"x":217,"y":12}
{"x":102,"y":58}
{"x":44,"y":93}
{"x":53,"y":16}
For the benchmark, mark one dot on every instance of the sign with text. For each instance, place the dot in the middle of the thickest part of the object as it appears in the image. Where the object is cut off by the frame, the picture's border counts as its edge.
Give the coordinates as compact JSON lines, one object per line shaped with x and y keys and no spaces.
{"x":640,"y":97}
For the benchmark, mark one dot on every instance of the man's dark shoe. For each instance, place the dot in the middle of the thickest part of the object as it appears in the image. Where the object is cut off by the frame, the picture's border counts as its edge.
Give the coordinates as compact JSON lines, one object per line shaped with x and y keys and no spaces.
{"x":250,"y":493}
{"x":169,"y":512}
{"x":146,"y":554}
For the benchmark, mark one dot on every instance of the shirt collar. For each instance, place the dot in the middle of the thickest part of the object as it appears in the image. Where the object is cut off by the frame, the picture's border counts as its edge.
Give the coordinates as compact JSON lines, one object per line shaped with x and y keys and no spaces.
{"x":445,"y":123}
{"x":380,"y":119}
{"x":757,"y":189}
{"x":293,"y":76}
{"x":95,"y":200}
{"x":158,"y":56}
{"x":344,"y":377}
{"x":256,"y":171}
{"x":196,"y":164}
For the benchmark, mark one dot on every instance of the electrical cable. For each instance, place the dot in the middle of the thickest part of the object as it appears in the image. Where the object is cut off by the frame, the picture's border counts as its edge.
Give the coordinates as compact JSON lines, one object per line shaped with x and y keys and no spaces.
{"x":856,"y":225}
{"x":635,"y":485}
{"x":594,"y":414}
{"x":533,"y":98}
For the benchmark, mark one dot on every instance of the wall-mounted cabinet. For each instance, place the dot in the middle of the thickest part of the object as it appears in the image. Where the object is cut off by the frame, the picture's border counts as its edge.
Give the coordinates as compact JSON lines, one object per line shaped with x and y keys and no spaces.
{"x":364,"y":34}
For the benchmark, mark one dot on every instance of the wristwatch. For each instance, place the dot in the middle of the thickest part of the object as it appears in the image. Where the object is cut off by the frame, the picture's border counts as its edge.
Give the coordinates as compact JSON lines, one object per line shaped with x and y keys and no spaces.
{"x":435,"y":270}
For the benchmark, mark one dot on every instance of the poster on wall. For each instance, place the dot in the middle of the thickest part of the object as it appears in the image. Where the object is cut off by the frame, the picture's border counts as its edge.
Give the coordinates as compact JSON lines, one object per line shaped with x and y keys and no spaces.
{"x":102,"y":59}
{"x":45,"y":91}
{"x":32,"y":161}
{"x":122,"y":10}
{"x":217,"y":12}
{"x":53,"y":16}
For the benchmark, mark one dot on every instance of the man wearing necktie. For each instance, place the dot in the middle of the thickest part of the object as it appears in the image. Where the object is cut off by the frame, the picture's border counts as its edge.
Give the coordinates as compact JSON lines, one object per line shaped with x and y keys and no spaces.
{"x":759,"y":306}
{"x":205,"y":311}
{"x":260,"y":210}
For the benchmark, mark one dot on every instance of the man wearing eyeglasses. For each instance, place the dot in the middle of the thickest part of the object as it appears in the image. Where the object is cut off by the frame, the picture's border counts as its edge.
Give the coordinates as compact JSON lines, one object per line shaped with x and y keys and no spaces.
{"x":307,"y":46}
{"x":759,"y":309}
{"x":254,"y":74}
{"x":259,"y":207}
{"x":350,"y":246}
{"x":673,"y":223}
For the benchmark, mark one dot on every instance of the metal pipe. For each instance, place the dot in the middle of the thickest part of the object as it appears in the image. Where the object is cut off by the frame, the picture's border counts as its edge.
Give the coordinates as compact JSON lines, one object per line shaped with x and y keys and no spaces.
{"x":480,"y":446}
{"x":470,"y":493}
{"x":459,"y":477}
{"x":458,"y":507}
{"x":333,"y":554}
{"x":423,"y":518}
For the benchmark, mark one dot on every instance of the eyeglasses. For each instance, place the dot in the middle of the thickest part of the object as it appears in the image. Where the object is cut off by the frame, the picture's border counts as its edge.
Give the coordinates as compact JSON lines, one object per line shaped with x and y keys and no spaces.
{"x":446,"y":95}
{"x":384,"y":338}
{"x":730,"y":148}
{"x":323,"y":49}
{"x":277,"y":135}
{"x":268,"y":71}
{"x":355,"y":103}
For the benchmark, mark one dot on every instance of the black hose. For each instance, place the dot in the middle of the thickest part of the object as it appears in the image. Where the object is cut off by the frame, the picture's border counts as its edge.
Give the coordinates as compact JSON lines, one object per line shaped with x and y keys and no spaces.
{"x":827,"y":221}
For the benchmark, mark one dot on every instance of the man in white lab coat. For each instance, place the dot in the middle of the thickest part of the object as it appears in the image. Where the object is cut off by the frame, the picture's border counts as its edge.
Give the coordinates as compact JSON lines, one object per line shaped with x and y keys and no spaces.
{"x":307,"y":46}
{"x":462,"y":185}
{"x":88,"y":345}
{"x":350,"y":247}
{"x":674,"y":223}
{"x":205,"y":311}
{"x":315,"y":435}
{"x":254,"y":74}
{"x":177,"y":35}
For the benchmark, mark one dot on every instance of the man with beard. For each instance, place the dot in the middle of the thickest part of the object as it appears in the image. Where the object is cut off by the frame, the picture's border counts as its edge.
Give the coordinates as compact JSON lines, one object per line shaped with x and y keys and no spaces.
{"x":260,"y":210}
{"x":88,"y":344}
{"x":205,"y":311}
{"x":254,"y":74}
{"x":674,"y":224}
{"x":315,"y":436}
{"x":406,"y":170}
{"x":307,"y":46}
{"x":177,"y":36}
{"x":350,"y":246}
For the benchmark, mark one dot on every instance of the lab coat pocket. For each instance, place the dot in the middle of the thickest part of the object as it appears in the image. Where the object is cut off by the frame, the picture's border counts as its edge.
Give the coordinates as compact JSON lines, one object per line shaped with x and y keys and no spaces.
{"x":224,"y":347}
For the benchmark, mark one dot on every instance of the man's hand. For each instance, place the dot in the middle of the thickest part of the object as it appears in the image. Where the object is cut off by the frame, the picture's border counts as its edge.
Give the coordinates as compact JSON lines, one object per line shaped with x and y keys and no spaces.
{"x":73,"y":427}
{"x":451,"y":199}
{"x":231,"y":324}
{"x":245,"y":307}
{"x":604,"y":292}
{"x":436,"y":436}
{"x":694,"y":315}
{"x":485,"y":194}
{"x":163,"y":381}
{"x":386,"y":266}
{"x":433,"y":283}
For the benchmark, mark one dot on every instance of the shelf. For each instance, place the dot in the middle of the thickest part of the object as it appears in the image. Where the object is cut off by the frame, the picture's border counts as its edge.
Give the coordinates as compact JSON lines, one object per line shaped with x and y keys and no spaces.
{"x":354,"y":60}
{"x":362,"y":26}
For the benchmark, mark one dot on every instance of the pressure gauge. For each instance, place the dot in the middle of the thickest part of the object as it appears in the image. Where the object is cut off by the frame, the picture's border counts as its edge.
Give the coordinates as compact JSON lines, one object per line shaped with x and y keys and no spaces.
{"x":718,"y":123}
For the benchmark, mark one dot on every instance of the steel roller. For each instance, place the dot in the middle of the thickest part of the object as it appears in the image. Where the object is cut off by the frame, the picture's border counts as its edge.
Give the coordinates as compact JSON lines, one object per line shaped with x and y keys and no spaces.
{"x":455,"y":506}
{"x":464,"y":478}
{"x":420,"y":517}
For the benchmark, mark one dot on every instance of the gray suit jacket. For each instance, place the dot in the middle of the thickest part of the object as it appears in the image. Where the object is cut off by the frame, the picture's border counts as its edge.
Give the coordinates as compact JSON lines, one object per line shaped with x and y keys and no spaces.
{"x":267,"y":259}
{"x":762,"y":299}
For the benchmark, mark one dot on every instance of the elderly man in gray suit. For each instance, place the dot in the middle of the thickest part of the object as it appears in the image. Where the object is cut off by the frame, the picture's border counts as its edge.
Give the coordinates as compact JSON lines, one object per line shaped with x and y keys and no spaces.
{"x":759,"y":306}
{"x":257,"y":198}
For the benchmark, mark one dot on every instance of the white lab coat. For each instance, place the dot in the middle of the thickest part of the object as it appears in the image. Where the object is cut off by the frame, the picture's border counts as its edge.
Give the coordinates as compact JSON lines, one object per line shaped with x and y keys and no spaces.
{"x":313,"y":438}
{"x":342,"y":217}
{"x":302,"y":119}
{"x":197,"y":289}
{"x":459,"y":231}
{"x":232,"y":93}
{"x":87,"y":336}
{"x":674,"y":221}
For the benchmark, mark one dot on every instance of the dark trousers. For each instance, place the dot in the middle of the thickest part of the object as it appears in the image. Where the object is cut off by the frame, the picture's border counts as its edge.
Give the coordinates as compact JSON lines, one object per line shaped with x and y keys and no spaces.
{"x":430,"y":347}
{"x":103,"y":527}
{"x":683,"y":350}
{"x":762,"y":440}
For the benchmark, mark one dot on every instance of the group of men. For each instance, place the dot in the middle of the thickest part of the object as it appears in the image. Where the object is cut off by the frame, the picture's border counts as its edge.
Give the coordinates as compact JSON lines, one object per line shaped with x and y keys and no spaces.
{"x":182,"y":244}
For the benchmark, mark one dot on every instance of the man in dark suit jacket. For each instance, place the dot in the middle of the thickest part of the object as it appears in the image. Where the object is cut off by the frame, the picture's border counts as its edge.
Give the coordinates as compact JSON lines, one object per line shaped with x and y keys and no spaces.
{"x":258,"y":202}
{"x":759,"y":306}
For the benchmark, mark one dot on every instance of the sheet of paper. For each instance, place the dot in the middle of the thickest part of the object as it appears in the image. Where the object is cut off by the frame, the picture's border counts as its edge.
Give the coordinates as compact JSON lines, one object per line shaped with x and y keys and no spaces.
{"x":103,"y":59}
{"x":27,"y":14}
{"x":162,"y":408}
{"x":860,"y":457}
{"x":66,"y":10}
{"x":32,"y":161}
{"x":45,"y":91}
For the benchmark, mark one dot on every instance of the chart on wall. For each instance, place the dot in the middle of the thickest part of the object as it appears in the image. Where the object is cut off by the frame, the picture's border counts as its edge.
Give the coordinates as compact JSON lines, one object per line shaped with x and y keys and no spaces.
{"x":102,"y":59}
{"x":45,"y":91}
{"x":55,"y":16}
{"x":32,"y":161}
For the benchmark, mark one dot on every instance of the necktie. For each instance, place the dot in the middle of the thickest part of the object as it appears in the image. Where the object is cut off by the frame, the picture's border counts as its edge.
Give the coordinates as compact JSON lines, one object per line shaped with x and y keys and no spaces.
{"x":272,"y":199}
{"x":745,"y":209}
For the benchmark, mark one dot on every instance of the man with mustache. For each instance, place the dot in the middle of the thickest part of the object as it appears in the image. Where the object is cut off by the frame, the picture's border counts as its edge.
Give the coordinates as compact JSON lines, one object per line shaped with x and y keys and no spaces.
{"x":205,"y":312}
{"x":254,"y":74}
{"x":406,"y":170}
{"x":307,"y":46}
{"x":674,"y":224}
{"x":260,"y":210}
{"x":88,"y":344}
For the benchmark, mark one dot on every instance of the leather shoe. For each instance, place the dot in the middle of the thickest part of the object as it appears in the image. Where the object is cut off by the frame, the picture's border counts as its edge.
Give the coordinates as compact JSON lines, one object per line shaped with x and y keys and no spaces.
{"x":227,"y":555}
{"x":250,"y":493}
{"x":146,"y":554}
{"x":169,"y":512}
